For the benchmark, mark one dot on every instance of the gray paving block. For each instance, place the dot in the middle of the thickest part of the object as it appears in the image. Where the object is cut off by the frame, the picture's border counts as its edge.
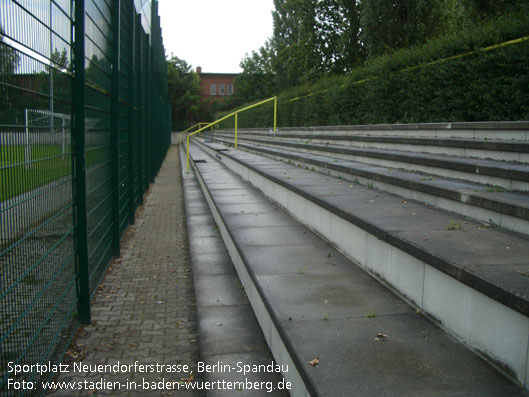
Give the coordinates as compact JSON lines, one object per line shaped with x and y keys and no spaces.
{"x":272,"y":236}
{"x":264,"y":219}
{"x":292,"y":259}
{"x":207,"y":245}
{"x":268,"y":382}
{"x":228,"y":330}
{"x":211,"y":264}
{"x":218,"y":290}
{"x":416,"y":359}
{"x":324,"y":297}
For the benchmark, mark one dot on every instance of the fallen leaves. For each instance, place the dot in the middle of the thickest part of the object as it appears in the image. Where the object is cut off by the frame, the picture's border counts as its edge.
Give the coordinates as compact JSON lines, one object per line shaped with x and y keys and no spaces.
{"x":189,"y":379}
{"x":381,"y":337}
{"x":314,"y":362}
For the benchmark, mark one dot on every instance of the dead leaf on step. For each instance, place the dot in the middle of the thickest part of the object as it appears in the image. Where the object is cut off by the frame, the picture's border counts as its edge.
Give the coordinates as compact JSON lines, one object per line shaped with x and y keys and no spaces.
{"x":381,"y":337}
{"x":189,"y":379}
{"x":314,"y":362}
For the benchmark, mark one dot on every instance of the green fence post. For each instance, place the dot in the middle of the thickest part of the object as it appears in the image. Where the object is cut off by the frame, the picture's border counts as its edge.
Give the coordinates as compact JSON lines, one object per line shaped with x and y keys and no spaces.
{"x":114,"y":128}
{"x":83,"y":290}
{"x":148,"y":109}
{"x":139,"y":75}
{"x":152,"y":89}
{"x":131,"y":123}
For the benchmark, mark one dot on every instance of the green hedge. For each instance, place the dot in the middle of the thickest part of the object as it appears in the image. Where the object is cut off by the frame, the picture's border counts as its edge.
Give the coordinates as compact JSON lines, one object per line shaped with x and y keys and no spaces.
{"x":487,"y":85}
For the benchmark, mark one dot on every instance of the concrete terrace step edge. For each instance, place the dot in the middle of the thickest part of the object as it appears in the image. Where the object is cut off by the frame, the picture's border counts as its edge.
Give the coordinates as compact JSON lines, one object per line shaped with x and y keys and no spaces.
{"x":478,"y":303}
{"x":489,"y":210}
{"x":480,"y":167}
{"x":498,"y":145}
{"x":487,"y":129}
{"x":497,"y":150}
{"x":202,"y":277}
{"x":282,"y":352}
{"x":301,"y":350}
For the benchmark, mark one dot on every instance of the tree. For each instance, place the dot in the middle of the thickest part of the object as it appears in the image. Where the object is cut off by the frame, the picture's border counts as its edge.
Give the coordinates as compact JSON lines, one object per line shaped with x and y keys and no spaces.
{"x":9,"y":60}
{"x":482,"y":9}
{"x":257,"y":81}
{"x":296,"y":57}
{"x":389,"y":25}
{"x":338,"y":35}
{"x":184,"y":90}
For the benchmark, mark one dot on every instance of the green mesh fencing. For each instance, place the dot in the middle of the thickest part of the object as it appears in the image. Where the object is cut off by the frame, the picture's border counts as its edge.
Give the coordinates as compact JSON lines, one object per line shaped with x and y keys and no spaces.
{"x":84,"y":128}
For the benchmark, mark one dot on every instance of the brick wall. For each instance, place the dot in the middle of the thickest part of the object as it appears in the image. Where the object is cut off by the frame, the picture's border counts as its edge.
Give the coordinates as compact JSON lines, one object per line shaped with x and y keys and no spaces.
{"x":222,"y":83}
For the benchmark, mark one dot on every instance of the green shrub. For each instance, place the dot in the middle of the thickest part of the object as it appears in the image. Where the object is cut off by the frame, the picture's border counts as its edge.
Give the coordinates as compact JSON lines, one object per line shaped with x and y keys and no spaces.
{"x":419,"y":84}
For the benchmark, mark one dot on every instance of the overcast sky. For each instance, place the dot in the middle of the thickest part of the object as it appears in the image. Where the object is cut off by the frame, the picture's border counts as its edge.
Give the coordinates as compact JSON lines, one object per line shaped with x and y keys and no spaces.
{"x":215,"y":34}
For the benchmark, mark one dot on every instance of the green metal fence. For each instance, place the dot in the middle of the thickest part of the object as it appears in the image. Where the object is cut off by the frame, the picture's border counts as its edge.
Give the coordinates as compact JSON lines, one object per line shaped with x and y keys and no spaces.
{"x":84,"y":128}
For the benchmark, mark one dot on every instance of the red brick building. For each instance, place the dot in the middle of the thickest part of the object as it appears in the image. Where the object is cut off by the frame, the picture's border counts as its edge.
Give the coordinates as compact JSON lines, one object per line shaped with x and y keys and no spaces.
{"x":215,"y":87}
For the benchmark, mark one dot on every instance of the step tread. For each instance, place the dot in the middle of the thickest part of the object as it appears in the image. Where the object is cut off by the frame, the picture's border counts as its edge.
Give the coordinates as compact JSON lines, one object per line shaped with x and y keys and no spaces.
{"x":489,"y":260}
{"x":320,"y":303}
{"x":520,"y":146}
{"x":513,"y":203}
{"x":229,"y":332}
{"x":504,"y":169}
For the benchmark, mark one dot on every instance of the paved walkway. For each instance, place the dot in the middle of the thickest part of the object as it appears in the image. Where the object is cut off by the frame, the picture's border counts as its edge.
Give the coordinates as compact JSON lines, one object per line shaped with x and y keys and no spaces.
{"x":145,"y":310}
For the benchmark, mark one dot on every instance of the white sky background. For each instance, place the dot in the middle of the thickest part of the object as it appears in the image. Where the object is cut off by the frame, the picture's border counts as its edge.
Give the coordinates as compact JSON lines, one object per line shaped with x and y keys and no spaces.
{"x":215,"y":34}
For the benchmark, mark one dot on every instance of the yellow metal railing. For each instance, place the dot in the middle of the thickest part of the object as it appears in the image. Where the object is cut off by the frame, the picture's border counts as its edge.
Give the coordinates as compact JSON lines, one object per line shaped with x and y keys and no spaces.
{"x":234,"y":114}
{"x":190,"y":128}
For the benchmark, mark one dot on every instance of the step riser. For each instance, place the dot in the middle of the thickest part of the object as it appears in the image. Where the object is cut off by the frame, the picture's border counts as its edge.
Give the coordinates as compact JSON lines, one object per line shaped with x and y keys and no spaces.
{"x":492,"y":134}
{"x":485,"y":325}
{"x":508,"y":184}
{"x":461,"y":207}
{"x":450,"y":151}
{"x":270,"y":331}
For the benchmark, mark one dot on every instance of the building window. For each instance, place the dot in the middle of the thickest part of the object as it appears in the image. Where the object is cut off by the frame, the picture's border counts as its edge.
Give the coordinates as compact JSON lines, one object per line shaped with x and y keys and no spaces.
{"x":213,"y":89}
{"x":230,"y":89}
{"x":221,"y":89}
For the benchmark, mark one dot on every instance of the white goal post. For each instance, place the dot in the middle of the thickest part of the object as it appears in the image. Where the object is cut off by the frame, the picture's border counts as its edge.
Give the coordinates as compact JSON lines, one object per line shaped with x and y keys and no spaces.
{"x":52,"y":128}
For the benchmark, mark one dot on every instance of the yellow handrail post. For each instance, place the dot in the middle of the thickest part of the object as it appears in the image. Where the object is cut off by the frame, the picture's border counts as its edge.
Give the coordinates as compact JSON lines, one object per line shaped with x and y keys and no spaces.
{"x":275,"y":113}
{"x":216,"y":122}
{"x":187,"y":156}
{"x":236,"y":114}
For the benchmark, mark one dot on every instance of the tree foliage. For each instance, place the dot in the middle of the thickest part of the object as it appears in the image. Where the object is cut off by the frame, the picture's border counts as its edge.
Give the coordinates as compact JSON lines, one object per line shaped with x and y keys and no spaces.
{"x":184,"y":90}
{"x":390,"y":25}
{"x":9,"y":60}
{"x":257,"y":79}
{"x":338,"y":35}
{"x":316,"y":38}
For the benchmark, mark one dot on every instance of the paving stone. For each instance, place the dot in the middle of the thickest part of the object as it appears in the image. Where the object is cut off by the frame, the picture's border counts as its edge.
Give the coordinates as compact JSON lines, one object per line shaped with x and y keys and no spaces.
{"x":145,"y":308}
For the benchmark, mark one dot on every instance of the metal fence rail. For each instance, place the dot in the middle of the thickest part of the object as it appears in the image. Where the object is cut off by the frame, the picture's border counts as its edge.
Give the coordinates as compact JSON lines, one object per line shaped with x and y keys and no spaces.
{"x":84,"y":128}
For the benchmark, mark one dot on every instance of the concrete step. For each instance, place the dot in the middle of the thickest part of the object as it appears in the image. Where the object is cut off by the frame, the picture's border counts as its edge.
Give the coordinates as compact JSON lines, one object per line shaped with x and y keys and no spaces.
{"x":506,"y":175}
{"x":230,"y":336}
{"x":487,"y":130}
{"x":509,"y":210}
{"x":472,"y":281}
{"x":499,"y":150}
